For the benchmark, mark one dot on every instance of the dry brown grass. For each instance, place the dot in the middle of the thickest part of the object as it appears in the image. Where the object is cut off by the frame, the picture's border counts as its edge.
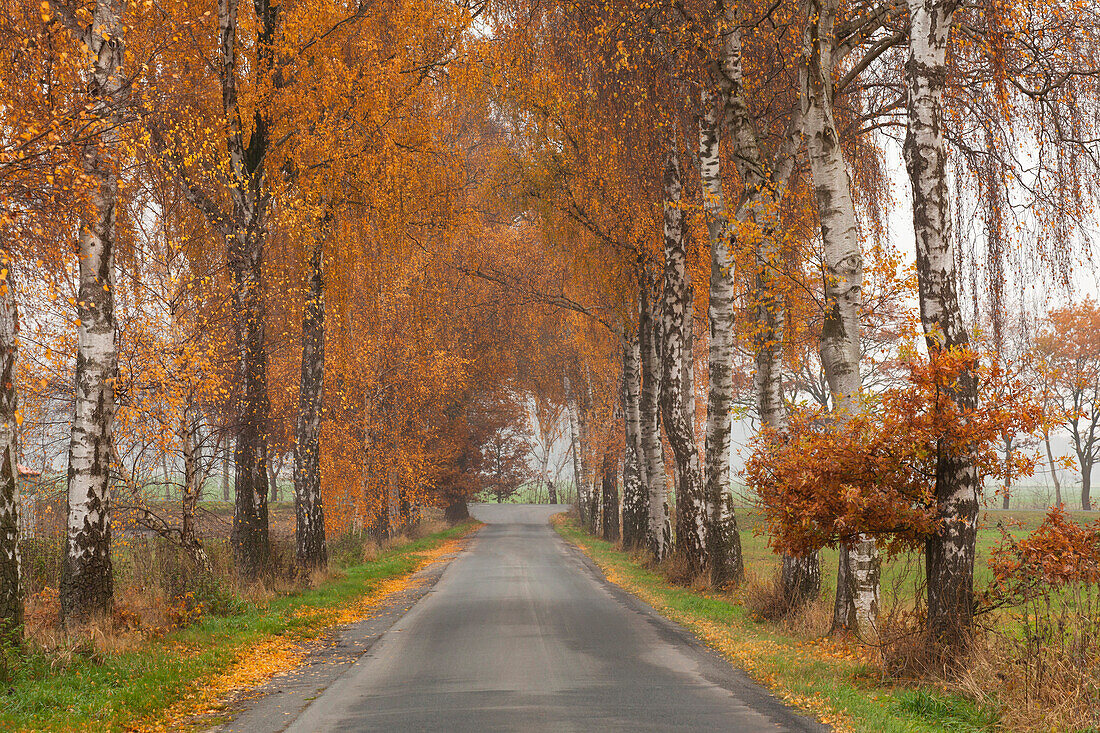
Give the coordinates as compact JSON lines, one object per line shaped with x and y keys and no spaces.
{"x":765,"y":600}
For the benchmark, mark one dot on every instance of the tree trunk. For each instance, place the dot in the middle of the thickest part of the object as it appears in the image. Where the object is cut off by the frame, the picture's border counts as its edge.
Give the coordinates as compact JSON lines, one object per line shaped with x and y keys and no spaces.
{"x":225,"y":471}
{"x":308,"y":504}
{"x":610,"y":495}
{"x":723,"y":540}
{"x":457,"y":511}
{"x":1006,"y":497}
{"x":1053,"y":470}
{"x":11,"y":576}
{"x":843,"y":279}
{"x":272,"y":479}
{"x":579,"y":471}
{"x":551,"y":492}
{"x":658,"y":528}
{"x":763,"y":188}
{"x":86,"y":582}
{"x":250,"y":517}
{"x":691,"y":539}
{"x":189,"y":492}
{"x":635,"y":496}
{"x":950,"y":552}
{"x":1086,"y":487}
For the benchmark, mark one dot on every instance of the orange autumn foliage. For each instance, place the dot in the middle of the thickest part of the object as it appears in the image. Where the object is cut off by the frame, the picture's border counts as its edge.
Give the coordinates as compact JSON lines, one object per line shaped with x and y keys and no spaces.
{"x":827,"y":480}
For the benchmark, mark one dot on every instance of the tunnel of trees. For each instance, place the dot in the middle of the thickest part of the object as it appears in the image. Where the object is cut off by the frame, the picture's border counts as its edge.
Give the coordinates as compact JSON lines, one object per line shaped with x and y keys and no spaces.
{"x":400,"y":250}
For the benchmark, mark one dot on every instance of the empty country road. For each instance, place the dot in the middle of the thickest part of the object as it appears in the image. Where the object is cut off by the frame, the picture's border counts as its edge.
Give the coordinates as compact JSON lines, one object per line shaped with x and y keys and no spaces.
{"x":521,"y":633}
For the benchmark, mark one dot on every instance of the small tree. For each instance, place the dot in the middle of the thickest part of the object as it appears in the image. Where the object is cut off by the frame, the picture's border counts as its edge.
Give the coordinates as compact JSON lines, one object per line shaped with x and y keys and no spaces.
{"x":823,"y":483}
{"x":1069,"y":346}
{"x":505,"y":458}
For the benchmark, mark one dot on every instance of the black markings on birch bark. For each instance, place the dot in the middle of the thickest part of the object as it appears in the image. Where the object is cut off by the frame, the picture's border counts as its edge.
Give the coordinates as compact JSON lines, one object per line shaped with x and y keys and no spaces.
{"x":723,"y":540}
{"x":856,"y":607}
{"x":691,"y":540}
{"x":86,"y":583}
{"x":308,"y":504}
{"x":658,"y":529}
{"x":11,"y":575}
{"x":949,"y":554}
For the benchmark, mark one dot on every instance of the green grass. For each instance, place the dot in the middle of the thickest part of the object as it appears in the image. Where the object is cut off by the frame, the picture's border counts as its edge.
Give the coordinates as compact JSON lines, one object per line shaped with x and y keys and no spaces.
{"x":901,"y":573}
{"x":92,"y":691}
{"x":839,"y":685}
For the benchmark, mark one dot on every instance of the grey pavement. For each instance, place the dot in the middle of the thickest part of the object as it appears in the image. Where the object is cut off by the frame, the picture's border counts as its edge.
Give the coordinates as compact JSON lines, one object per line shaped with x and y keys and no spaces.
{"x":522,"y":633}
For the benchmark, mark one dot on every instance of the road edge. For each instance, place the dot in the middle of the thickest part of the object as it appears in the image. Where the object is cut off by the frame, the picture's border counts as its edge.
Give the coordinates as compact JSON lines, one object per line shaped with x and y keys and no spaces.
{"x":714,"y":666}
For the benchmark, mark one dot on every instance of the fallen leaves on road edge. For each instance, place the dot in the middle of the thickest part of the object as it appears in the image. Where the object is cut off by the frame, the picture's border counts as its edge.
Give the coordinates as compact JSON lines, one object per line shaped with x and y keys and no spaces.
{"x":743,"y":653}
{"x":260,"y":662}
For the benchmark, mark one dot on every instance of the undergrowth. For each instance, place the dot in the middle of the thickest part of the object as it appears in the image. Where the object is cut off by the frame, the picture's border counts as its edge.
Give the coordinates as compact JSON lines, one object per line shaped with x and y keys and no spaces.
{"x":171,"y":634}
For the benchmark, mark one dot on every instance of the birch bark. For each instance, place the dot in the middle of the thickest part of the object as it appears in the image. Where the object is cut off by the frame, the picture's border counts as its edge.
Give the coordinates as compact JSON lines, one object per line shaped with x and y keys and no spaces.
{"x":308,"y":504}
{"x":189,"y":492}
{"x":635,"y":496}
{"x":86,"y":584}
{"x":579,"y":472}
{"x":11,"y":575}
{"x":950,"y":552}
{"x":691,"y":538}
{"x":723,"y":539}
{"x":763,"y":187}
{"x":856,"y":607}
{"x":246,"y":240}
{"x":609,"y":496}
{"x":658,"y":529}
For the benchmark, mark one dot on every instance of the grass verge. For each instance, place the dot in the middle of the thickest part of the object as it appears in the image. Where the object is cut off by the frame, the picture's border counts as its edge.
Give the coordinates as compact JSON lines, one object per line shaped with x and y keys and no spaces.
{"x":838,"y":683}
{"x":164,"y":683}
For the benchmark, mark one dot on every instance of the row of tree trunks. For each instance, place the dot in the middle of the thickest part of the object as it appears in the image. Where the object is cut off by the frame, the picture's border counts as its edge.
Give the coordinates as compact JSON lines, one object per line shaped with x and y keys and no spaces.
{"x":308,"y":506}
{"x":11,"y":576}
{"x":635,"y":495}
{"x":723,"y":540}
{"x":856,"y":607}
{"x":677,"y":393}
{"x":658,"y":527}
{"x":949,"y":554}
{"x":86,"y":583}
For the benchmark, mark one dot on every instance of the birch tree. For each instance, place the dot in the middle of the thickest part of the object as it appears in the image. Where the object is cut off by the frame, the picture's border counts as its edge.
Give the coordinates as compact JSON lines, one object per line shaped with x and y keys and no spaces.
{"x":856,"y":606}
{"x":86,"y":583}
{"x":764,"y":181}
{"x":723,"y":540}
{"x":11,"y":575}
{"x":308,"y":504}
{"x":635,"y":495}
{"x":659,"y":530}
{"x":950,"y":551}
{"x":691,"y":539}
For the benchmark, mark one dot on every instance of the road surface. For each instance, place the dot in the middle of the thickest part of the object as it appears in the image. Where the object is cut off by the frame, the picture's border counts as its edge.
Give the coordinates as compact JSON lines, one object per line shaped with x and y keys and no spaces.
{"x":522,"y":633}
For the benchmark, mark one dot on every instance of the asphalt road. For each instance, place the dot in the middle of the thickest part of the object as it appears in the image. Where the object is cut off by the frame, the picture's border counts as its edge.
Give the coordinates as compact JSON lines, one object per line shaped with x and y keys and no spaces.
{"x":522,"y":633}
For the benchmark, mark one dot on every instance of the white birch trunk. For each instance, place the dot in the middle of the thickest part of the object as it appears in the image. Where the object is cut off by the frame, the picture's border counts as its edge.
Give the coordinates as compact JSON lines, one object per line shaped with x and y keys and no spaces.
{"x":658,"y":529}
{"x":691,"y":539}
{"x":86,"y":583}
{"x":311,"y":549}
{"x":763,"y":187}
{"x":950,"y":552}
{"x":579,"y":471}
{"x":635,"y":497}
{"x":856,"y":608}
{"x":11,"y":572}
{"x":724,"y":541}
